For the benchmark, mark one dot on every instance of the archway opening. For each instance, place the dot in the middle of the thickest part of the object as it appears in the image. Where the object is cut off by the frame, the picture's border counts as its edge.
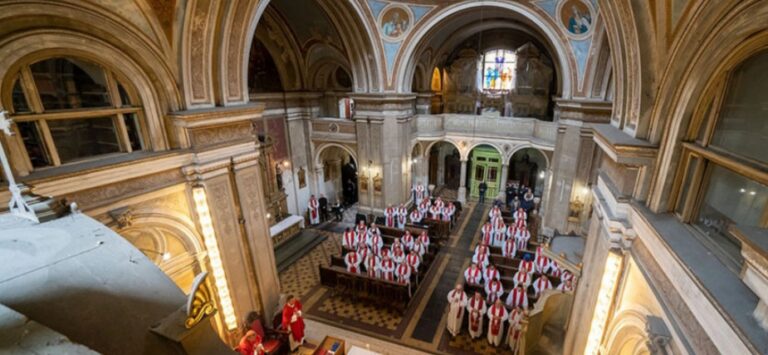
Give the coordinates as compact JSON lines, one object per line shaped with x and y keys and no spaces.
{"x":484,"y":166}
{"x":167,"y":248}
{"x":444,"y":167}
{"x":339,"y":180}
{"x":527,"y":170}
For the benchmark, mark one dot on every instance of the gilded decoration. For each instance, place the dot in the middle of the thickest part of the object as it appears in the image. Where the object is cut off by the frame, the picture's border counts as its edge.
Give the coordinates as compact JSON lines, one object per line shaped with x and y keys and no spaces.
{"x":199,"y":302}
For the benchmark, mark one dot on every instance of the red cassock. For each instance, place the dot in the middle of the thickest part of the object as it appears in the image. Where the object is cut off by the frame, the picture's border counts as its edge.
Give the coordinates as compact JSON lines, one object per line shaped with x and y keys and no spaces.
{"x":248,"y":347}
{"x":297,"y":327}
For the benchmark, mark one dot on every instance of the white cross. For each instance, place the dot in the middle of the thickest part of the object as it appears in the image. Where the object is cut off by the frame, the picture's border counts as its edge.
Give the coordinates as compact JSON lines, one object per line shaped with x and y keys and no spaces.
{"x":17,"y":205}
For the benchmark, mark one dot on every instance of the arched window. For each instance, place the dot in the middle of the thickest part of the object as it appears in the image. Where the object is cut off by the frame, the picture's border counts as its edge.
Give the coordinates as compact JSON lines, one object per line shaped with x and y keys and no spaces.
{"x":68,"y":110}
{"x":723,"y":181}
{"x":499,"y":70}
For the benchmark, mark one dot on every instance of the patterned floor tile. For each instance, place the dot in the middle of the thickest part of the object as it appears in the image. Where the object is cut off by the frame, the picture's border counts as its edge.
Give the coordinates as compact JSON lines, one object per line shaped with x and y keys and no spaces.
{"x":303,"y":275}
{"x":380,"y":317}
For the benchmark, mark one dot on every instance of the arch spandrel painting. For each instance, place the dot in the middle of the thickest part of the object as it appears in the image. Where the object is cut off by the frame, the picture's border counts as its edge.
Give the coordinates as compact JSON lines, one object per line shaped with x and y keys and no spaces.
{"x":576,"y":16}
{"x":395,"y":21}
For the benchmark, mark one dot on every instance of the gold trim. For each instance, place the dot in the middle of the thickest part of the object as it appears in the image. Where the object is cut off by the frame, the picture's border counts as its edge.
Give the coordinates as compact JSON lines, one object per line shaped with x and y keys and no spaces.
{"x":199,"y":302}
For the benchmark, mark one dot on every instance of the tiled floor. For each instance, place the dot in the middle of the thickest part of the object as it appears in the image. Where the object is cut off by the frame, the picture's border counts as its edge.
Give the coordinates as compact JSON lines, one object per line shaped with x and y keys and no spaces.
{"x":299,"y":278}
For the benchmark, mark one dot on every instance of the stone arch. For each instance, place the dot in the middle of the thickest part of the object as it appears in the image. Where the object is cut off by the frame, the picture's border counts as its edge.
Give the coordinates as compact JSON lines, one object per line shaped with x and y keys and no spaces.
{"x":468,"y":150}
{"x":405,"y":64}
{"x":520,"y":147}
{"x":244,"y":17}
{"x":31,"y":46}
{"x":170,"y":240}
{"x":443,"y":168}
{"x":322,"y":61}
{"x":282,"y":47}
{"x":432,"y":144}
{"x":320,"y":148}
{"x":417,"y":150}
{"x":627,"y":332}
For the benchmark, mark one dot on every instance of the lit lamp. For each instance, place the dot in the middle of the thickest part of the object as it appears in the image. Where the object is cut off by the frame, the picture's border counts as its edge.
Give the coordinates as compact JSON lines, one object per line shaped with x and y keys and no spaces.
{"x":604,"y":301}
{"x":209,"y":236}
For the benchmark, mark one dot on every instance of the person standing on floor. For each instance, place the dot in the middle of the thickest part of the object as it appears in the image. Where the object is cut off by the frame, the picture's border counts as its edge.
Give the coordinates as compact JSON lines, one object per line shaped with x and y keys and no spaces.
{"x":457,"y":301}
{"x":482,"y":188}
{"x":476,"y":308}
{"x":293,"y":322}
{"x":497,"y":315}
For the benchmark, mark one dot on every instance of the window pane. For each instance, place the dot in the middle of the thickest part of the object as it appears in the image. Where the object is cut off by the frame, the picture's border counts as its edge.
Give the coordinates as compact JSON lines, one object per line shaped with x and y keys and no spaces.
{"x":686,"y":185}
{"x":19,"y":100}
{"x":480,"y":173}
{"x":30,"y":134}
{"x":82,"y":138}
{"x":134,"y":133}
{"x":492,"y":173}
{"x":731,"y":198}
{"x":743,"y":126}
{"x":70,"y":84}
{"x":124,"y":98}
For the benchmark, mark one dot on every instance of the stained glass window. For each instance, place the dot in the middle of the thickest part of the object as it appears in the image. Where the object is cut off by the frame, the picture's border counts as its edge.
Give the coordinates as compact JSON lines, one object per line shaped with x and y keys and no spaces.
{"x":499,"y":70}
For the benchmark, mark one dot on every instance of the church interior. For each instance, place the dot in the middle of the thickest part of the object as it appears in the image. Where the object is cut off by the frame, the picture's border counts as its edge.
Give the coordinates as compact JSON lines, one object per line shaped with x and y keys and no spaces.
{"x":384,"y":177}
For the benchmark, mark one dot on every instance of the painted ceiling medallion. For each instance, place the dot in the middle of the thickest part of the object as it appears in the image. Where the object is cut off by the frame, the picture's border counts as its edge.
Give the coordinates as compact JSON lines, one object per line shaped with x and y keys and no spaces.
{"x":395,"y":21}
{"x":577,"y":17}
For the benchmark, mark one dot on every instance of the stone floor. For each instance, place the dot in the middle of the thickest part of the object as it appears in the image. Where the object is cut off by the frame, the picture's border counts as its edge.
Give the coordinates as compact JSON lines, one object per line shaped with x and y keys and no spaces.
{"x":422,"y":326}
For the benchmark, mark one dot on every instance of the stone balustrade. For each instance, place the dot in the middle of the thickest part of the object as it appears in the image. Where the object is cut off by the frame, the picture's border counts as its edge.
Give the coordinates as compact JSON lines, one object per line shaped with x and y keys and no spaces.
{"x":536,"y":131}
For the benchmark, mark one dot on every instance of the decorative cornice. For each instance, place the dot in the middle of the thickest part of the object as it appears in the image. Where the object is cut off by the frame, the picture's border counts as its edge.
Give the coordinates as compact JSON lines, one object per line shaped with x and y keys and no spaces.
{"x":622,"y":148}
{"x":216,"y":116}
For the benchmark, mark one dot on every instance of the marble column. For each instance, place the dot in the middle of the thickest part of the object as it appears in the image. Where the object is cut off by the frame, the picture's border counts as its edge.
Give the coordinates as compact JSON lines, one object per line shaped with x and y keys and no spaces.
{"x":462,"y":195}
{"x":503,"y":180}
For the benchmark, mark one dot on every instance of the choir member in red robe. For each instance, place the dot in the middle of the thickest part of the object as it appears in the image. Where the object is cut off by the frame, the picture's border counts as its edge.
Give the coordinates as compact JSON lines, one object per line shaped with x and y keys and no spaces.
{"x":250,"y":344}
{"x":293,"y":321}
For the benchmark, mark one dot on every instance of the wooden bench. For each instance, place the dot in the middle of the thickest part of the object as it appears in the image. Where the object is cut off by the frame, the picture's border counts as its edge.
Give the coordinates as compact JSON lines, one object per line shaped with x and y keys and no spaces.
{"x":356,"y":286}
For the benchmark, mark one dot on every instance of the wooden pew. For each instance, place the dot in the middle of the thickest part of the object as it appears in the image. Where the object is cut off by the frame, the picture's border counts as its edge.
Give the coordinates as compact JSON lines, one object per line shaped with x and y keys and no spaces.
{"x":382,"y":292}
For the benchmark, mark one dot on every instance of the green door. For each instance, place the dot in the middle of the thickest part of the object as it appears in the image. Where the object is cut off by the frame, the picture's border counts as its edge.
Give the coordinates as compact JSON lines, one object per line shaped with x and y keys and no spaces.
{"x":486,"y":165}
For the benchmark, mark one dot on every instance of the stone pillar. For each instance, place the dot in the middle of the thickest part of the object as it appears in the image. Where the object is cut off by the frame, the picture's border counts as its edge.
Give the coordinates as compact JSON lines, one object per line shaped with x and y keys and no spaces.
{"x":572,"y":166}
{"x":503,"y":180}
{"x":462,"y":195}
{"x":424,"y":103}
{"x":319,"y":180}
{"x":383,"y":137}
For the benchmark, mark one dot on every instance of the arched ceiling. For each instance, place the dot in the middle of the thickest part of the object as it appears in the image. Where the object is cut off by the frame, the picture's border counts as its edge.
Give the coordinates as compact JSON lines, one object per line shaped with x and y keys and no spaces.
{"x":443,"y":30}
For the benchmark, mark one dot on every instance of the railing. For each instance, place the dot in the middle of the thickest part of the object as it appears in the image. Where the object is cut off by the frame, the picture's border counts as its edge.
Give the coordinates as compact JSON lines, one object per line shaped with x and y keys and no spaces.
{"x":485,"y":126}
{"x":531,"y":130}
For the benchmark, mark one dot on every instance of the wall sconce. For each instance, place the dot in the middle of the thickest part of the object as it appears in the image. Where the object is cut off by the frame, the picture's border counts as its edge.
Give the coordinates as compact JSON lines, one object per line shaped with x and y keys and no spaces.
{"x":286,"y":164}
{"x":209,"y":236}
{"x":542,"y":174}
{"x":605,"y":297}
{"x":269,"y":215}
{"x":585,"y":190}
{"x":463,"y":144}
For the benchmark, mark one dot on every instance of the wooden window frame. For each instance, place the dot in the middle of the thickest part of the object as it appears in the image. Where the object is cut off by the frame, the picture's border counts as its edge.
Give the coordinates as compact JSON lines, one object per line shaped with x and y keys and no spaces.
{"x":706,"y":118}
{"x":38,"y":115}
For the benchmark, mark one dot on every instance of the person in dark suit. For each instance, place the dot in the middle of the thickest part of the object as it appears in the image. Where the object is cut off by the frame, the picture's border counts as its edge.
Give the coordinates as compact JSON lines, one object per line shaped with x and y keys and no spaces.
{"x":482,"y":188}
{"x":510,"y":194}
{"x":323,"y":202}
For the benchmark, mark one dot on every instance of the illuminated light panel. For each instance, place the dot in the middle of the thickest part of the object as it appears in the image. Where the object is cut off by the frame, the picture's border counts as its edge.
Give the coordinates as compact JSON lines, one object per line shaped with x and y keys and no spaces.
{"x":209,"y":236}
{"x":604,"y":301}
